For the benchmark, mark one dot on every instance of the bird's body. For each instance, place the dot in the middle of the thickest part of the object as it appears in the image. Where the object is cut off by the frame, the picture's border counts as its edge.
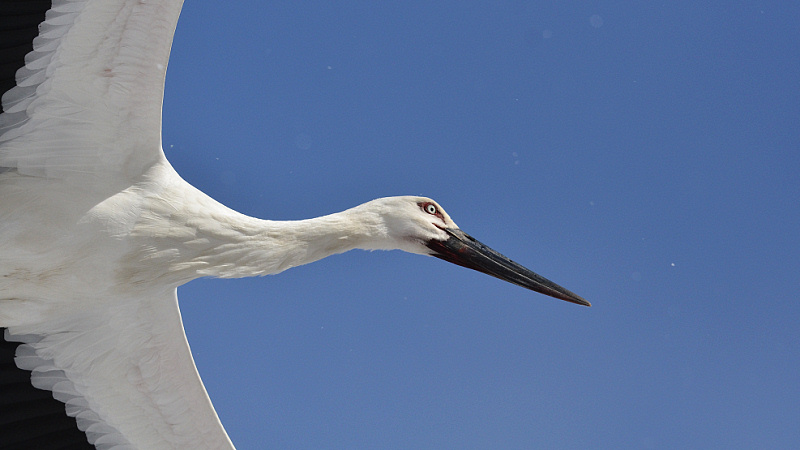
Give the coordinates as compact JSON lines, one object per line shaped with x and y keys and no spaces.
{"x":97,"y":231}
{"x":158,"y":233}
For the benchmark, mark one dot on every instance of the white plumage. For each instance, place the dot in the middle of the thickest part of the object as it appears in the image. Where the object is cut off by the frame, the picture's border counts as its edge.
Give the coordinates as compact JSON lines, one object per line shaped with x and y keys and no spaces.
{"x":97,"y":231}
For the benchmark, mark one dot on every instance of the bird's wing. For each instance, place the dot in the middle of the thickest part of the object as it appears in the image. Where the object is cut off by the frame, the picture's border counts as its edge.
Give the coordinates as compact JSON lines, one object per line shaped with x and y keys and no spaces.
{"x":125,"y":373}
{"x":87,"y":102}
{"x":86,"y":108}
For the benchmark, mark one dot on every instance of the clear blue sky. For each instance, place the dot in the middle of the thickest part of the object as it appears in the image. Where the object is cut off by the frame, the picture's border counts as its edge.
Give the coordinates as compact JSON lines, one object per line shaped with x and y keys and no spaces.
{"x":643,"y":154}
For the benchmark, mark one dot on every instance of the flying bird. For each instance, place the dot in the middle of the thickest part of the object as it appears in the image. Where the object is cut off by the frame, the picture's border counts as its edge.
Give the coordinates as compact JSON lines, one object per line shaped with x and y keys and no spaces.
{"x":97,"y":231}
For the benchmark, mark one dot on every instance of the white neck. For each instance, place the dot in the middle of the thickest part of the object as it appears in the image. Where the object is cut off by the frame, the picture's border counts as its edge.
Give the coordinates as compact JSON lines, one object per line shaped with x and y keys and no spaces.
{"x":268,"y":247}
{"x":216,"y":241}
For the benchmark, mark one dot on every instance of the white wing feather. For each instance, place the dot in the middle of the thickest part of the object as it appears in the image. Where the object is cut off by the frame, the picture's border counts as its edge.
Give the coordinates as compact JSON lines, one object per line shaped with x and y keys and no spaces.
{"x":126,"y":373}
{"x":88,"y":101}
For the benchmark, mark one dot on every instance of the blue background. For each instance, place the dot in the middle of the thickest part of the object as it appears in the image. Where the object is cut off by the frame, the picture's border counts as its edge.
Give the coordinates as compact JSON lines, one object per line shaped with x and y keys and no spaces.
{"x":642,"y":154}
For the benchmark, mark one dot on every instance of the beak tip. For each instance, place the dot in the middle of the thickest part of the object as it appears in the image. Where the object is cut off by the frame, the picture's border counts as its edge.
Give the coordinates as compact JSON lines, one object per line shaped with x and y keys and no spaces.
{"x":573,"y":298}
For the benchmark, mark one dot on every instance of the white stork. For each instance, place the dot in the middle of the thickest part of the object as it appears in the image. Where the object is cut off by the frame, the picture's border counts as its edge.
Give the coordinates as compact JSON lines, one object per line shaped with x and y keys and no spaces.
{"x":97,"y":231}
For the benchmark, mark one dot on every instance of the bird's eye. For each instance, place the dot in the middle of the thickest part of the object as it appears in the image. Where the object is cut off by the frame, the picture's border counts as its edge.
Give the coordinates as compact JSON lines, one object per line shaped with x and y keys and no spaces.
{"x":430,"y":208}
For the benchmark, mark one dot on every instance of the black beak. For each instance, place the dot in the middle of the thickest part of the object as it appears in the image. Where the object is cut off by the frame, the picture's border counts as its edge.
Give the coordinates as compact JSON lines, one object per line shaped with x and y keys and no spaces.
{"x":464,"y":250}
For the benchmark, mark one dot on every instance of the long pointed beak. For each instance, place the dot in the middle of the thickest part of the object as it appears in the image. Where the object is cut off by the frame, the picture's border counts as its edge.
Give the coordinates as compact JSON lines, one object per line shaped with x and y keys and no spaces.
{"x":464,"y":250}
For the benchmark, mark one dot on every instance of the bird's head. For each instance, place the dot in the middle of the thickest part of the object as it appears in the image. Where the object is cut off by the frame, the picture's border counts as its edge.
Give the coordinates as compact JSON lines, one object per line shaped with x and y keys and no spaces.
{"x":420,"y":225}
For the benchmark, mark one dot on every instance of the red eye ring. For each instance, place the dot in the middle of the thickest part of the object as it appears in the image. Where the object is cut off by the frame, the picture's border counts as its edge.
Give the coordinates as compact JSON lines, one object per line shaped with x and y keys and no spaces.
{"x":432,"y":209}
